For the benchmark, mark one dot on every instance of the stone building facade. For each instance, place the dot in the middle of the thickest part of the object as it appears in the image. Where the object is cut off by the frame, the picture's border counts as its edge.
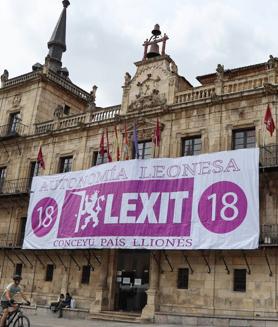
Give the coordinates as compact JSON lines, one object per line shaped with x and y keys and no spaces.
{"x":43,"y":108}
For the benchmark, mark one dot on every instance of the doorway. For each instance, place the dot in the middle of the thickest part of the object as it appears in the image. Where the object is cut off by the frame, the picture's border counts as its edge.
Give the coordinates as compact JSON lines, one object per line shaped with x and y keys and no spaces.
{"x":132,"y":280}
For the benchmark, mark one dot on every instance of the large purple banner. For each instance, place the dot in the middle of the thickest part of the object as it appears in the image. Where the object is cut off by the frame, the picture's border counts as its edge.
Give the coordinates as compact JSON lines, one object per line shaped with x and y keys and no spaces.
{"x":207,"y":201}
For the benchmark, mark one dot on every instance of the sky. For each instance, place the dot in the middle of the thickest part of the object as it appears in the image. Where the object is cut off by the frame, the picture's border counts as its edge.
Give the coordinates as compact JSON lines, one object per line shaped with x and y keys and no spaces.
{"x":105,"y":37}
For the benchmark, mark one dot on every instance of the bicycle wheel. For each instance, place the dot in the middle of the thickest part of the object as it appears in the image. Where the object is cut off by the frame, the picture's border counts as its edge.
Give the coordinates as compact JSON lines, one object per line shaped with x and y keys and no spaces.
{"x":22,"y":321}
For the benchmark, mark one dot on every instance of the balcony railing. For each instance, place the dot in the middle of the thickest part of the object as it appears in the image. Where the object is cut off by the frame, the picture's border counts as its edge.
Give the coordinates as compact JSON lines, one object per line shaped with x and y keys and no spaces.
{"x":9,"y":240}
{"x":269,"y":156}
{"x":196,"y":94}
{"x":78,"y":120}
{"x":15,"y":186}
{"x":12,"y":130}
{"x":269,"y":235}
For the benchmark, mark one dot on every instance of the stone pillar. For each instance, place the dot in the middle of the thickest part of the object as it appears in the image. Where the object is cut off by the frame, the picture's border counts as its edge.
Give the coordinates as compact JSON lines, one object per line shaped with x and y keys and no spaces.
{"x":64,"y":274}
{"x":153,"y":292}
{"x":125,"y":98}
{"x":101,"y":299}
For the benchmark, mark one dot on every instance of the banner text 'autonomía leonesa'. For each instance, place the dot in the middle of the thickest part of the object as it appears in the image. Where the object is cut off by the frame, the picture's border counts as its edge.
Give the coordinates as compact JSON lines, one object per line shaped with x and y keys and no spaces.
{"x":209,"y":201}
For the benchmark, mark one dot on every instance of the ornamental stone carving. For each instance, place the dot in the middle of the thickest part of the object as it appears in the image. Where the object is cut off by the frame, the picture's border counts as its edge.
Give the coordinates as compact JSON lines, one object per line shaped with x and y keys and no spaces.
{"x":153,"y":100}
{"x":16,"y":100}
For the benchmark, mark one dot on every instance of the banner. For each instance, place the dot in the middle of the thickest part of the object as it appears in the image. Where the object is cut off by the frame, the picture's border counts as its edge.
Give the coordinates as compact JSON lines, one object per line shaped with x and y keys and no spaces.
{"x":209,"y":201}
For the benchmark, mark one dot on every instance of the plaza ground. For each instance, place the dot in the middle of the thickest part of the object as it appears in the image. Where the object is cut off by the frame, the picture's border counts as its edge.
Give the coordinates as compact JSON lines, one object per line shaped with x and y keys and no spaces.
{"x":50,"y":321}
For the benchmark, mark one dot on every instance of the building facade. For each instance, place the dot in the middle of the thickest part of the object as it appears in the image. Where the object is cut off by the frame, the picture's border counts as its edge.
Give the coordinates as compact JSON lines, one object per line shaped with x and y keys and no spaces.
{"x":44,"y":108}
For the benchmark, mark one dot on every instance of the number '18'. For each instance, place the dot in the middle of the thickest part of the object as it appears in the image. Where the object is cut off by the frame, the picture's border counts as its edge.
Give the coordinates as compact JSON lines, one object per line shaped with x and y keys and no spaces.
{"x":225,"y":205}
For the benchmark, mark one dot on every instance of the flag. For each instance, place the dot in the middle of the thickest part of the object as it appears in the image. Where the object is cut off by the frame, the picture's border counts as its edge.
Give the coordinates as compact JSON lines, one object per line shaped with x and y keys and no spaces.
{"x":108,"y":152}
{"x":135,"y":142}
{"x":268,"y":120}
{"x":126,"y":156}
{"x":101,"y":145}
{"x":156,"y":139}
{"x":117,"y":144}
{"x":40,"y":160}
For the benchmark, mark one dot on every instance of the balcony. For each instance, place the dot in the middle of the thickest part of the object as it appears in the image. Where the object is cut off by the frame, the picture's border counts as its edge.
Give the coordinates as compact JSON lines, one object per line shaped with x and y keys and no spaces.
{"x":12,"y":130}
{"x":15,"y":187}
{"x":269,"y":235}
{"x":79,"y":120}
{"x":10,"y":241}
{"x":269,"y":156}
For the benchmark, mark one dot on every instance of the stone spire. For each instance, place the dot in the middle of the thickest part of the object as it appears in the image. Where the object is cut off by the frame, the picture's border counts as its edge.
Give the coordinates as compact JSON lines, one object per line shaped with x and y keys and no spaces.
{"x":57,"y":42}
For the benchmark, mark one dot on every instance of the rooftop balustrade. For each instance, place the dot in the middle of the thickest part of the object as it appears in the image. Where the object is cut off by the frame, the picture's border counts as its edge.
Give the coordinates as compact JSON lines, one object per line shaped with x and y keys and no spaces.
{"x":198,"y":93}
{"x":77,"y":120}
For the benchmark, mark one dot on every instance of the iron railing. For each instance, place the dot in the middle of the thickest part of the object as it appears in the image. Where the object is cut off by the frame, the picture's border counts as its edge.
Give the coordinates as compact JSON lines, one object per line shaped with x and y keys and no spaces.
{"x":12,"y":130}
{"x":10,"y":240}
{"x":15,"y":186}
{"x":269,"y":234}
{"x":269,"y":156}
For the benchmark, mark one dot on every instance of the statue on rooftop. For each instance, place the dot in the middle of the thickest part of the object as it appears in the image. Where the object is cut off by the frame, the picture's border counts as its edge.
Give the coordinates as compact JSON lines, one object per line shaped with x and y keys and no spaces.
{"x":127,"y":78}
{"x":4,"y":77}
{"x":272,"y":62}
{"x":220,"y":72}
{"x":93,"y":93}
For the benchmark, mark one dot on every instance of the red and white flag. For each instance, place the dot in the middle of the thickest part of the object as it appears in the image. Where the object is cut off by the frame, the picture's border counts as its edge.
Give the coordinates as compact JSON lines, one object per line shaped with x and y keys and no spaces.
{"x":40,"y":160}
{"x":156,"y":139}
{"x":126,"y":156}
{"x":101,"y":145}
{"x":268,"y":120}
{"x":117,"y":144}
{"x":108,"y":151}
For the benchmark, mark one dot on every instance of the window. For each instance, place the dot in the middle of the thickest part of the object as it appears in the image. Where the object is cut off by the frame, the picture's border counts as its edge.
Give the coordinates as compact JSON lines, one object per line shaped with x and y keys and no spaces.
{"x":85,"y":278}
{"x":34,"y":169}
{"x":244,"y":138}
{"x":98,"y":159}
{"x":65,"y":164}
{"x":2,"y":173}
{"x":145,"y":149}
{"x":18,"y":269}
{"x":2,"y":177}
{"x":191,"y":146}
{"x":183,"y":274}
{"x":13,"y":122}
{"x":240,"y":280}
{"x":66,"y":109}
{"x":49,"y":273}
{"x":21,"y":230}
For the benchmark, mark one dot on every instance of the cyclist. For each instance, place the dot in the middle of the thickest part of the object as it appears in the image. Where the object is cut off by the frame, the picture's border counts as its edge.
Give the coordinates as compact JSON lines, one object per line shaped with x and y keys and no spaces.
{"x":7,"y":298}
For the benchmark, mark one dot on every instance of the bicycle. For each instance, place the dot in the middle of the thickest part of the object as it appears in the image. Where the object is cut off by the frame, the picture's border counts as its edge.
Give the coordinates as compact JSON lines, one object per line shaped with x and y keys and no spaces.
{"x":16,"y":318}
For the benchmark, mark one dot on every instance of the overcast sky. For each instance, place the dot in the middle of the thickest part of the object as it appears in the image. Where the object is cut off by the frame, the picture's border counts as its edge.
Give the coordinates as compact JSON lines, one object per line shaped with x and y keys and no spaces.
{"x":104,"y":37}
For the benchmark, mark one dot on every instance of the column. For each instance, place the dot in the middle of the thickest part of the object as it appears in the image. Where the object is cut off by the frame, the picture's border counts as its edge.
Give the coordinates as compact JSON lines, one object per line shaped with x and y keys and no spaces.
{"x":101,"y":299}
{"x":153,"y":292}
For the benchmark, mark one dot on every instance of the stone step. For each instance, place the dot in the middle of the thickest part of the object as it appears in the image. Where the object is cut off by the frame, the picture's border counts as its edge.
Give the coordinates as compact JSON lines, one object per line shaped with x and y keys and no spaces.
{"x":117,"y":316}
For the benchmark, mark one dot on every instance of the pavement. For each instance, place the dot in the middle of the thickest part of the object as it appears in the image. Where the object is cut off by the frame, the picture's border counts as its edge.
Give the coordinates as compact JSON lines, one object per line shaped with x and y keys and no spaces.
{"x":48,"y":321}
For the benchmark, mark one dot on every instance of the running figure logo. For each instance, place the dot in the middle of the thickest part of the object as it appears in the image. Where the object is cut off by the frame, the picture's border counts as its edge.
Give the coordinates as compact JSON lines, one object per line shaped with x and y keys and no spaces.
{"x":89,"y":207}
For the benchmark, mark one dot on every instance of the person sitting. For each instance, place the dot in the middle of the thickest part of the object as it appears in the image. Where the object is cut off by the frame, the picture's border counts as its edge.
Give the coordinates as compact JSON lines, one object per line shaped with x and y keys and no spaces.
{"x":54,"y":305}
{"x":64,"y":304}
{"x":7,"y":299}
{"x":67,"y":301}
